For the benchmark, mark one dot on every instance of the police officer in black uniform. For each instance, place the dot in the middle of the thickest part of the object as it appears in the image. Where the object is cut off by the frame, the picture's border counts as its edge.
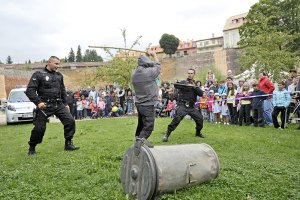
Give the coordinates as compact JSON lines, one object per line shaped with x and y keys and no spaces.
{"x":187,"y":96}
{"x":47,"y":90}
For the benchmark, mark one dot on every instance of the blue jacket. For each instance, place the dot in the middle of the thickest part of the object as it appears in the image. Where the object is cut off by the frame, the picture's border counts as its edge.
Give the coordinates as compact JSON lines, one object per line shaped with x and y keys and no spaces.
{"x":281,"y":98}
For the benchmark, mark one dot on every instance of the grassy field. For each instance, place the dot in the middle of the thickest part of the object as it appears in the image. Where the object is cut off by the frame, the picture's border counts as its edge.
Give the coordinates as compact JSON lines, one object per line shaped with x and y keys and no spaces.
{"x":256,"y":163}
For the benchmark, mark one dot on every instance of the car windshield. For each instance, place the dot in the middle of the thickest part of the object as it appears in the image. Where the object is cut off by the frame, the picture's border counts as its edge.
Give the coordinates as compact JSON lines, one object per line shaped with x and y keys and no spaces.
{"x":18,"y":96}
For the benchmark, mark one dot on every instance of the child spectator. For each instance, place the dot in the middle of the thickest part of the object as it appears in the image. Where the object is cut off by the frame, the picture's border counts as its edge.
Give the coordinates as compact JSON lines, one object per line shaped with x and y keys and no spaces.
{"x":114,"y":110}
{"x":90,"y":106}
{"x":231,"y":93}
{"x":129,"y":100}
{"x":216,"y":107}
{"x":245,"y":102}
{"x":84,"y":106}
{"x":281,"y":100}
{"x":169,"y":107}
{"x":79,"y":108}
{"x":210,"y":101}
{"x":225,"y":111}
{"x":173,"y":112}
{"x":257,"y":106}
{"x":94,"y":110}
{"x":120,"y":109}
{"x":204,"y":106}
{"x":222,"y":88}
{"x":101,"y":107}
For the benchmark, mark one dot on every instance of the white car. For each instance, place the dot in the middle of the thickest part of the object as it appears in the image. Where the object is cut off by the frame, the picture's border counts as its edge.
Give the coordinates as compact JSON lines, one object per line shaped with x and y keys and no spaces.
{"x":19,"y":108}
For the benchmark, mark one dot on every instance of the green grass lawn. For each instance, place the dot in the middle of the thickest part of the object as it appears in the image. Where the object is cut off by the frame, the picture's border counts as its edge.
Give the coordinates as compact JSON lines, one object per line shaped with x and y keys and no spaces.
{"x":256,"y":163}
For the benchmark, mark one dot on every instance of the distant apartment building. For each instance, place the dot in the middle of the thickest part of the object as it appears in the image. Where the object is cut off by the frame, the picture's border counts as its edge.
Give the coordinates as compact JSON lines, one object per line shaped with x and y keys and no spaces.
{"x":209,"y":44}
{"x":186,"y":48}
{"x":128,"y":53}
{"x":231,"y":30}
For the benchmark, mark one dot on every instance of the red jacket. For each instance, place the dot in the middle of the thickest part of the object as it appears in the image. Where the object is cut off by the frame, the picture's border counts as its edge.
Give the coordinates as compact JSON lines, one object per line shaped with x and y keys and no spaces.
{"x":266,"y":85}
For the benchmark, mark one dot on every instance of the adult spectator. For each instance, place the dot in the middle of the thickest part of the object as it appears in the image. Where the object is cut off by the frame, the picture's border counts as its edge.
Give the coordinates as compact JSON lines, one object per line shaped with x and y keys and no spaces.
{"x":93,"y":93}
{"x":266,"y":86}
{"x":121,"y":96}
{"x":289,"y":81}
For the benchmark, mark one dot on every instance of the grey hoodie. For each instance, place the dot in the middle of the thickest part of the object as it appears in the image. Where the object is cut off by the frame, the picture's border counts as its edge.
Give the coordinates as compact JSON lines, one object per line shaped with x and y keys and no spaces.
{"x":143,"y":81}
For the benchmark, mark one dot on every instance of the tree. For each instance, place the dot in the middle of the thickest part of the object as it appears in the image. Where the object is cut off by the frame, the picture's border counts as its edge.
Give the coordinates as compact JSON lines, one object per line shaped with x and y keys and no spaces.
{"x":71,"y":57}
{"x":29,"y":61}
{"x":270,"y":37}
{"x":169,"y":43}
{"x":9,"y":60}
{"x":91,"y":56}
{"x":78,"y":54}
{"x":119,"y":70}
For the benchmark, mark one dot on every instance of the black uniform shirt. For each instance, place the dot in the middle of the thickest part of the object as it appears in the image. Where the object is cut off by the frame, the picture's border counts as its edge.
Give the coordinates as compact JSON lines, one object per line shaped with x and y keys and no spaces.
{"x":46,"y":85}
{"x":186,"y":92}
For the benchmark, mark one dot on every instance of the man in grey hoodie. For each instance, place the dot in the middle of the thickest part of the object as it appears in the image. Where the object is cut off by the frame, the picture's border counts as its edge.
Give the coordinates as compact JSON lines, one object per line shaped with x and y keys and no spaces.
{"x":146,"y":93}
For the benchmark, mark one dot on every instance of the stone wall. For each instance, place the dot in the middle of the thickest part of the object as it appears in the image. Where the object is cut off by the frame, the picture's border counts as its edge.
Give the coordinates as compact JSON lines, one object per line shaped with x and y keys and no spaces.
{"x":172,"y":68}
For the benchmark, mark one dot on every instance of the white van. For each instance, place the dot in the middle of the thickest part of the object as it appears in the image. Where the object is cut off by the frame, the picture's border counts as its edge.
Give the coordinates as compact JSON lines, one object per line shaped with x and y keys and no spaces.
{"x":19,"y":108}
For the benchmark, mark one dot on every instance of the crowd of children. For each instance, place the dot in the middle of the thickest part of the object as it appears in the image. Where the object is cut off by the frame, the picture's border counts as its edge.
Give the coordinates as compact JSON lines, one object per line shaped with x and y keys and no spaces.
{"x":226,"y":102}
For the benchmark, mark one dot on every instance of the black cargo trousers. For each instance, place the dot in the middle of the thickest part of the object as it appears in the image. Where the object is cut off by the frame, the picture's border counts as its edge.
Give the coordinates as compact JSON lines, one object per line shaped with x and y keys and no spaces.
{"x":40,"y":120}
{"x":181,"y":112}
{"x":146,"y":117}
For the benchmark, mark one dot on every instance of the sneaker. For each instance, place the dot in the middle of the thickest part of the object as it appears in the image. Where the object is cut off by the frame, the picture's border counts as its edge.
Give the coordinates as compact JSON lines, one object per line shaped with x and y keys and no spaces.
{"x":279,"y":128}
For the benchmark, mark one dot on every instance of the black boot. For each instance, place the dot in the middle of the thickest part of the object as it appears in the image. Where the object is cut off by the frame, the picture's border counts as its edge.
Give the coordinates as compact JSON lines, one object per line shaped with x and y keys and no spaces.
{"x":69,"y":146}
{"x":165,"y":137}
{"x":31,"y":151}
{"x":199,"y":134}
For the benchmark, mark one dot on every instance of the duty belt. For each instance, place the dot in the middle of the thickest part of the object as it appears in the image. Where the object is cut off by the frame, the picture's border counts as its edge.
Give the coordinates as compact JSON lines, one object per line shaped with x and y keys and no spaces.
{"x":188,"y":103}
{"x":53,"y":100}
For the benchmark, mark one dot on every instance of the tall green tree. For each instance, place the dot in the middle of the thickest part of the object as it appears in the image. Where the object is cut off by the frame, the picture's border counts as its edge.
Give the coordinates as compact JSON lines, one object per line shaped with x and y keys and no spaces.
{"x":91,"y":56}
{"x":270,"y":37}
{"x":169,"y":43}
{"x":119,"y":70}
{"x":78,"y":54}
{"x":9,"y":60}
{"x":71,"y":57}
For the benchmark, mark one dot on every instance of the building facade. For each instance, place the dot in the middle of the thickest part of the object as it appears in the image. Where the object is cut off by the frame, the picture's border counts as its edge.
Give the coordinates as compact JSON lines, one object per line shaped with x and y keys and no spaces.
{"x":231,"y":30}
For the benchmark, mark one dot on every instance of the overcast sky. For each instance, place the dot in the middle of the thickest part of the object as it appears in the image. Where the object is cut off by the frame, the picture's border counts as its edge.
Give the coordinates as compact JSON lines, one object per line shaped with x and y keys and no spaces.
{"x":37,"y":29}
